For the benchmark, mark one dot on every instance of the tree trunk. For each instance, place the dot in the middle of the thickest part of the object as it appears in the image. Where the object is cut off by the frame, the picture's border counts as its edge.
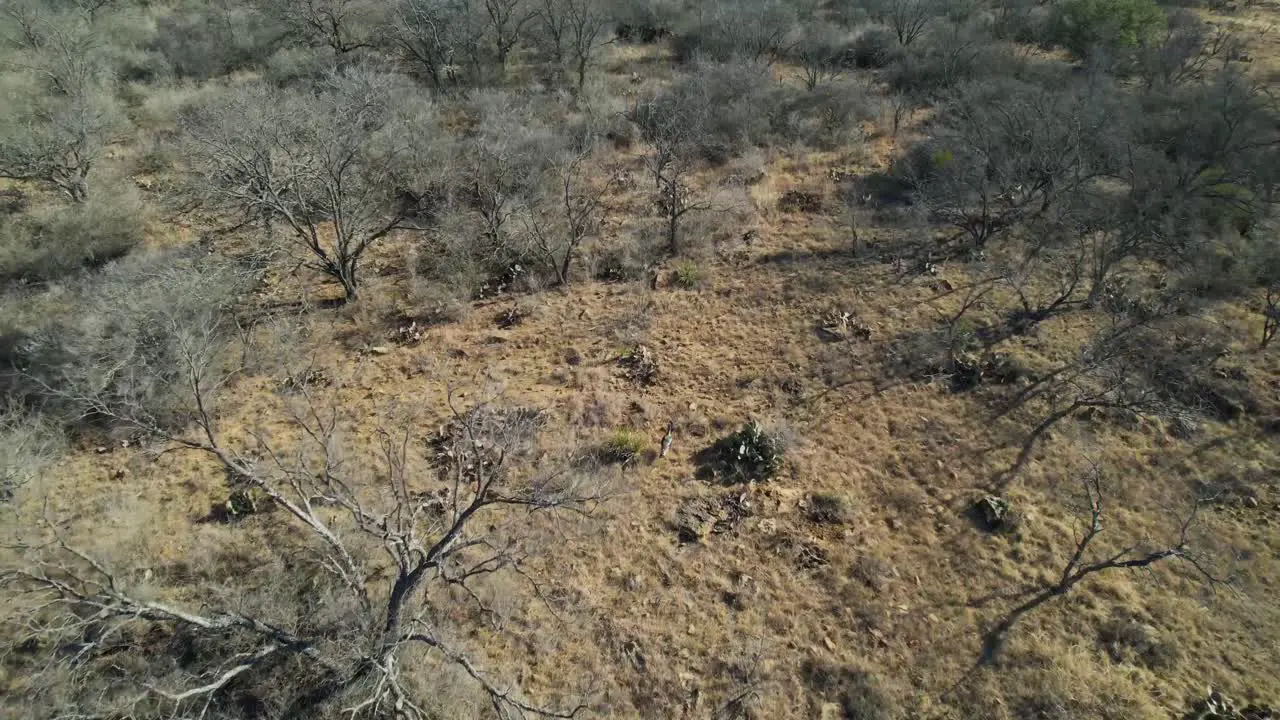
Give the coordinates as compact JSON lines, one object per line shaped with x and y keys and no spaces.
{"x":562,"y":271}
{"x":347,"y":276}
{"x":673,"y":230}
{"x":1096,"y":287}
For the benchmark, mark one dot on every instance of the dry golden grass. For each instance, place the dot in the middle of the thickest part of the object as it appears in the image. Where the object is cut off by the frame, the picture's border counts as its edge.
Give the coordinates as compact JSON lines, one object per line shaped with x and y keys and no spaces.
{"x":900,"y":588}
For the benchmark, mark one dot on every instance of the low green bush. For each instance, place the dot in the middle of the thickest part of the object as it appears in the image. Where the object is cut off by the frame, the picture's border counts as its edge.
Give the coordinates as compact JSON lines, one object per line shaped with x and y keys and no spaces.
{"x":749,"y":455}
{"x":622,"y":447}
{"x":52,"y":242}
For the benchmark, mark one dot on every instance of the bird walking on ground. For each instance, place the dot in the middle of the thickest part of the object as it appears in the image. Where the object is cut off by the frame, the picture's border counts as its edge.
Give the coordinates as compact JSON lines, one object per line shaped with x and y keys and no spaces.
{"x":667,"y":439}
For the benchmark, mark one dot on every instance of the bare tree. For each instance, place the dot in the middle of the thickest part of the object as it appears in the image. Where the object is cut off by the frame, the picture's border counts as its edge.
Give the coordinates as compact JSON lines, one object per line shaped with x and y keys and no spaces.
{"x":574,"y":213}
{"x":1189,"y":48}
{"x":819,"y":49}
{"x":571,"y":32}
{"x":27,"y":444}
{"x":444,"y":37}
{"x":57,"y":136}
{"x":341,"y":25}
{"x":588,"y":32}
{"x":1007,"y":153}
{"x":907,"y":18}
{"x":61,"y":48}
{"x":754,"y":30}
{"x":1270,"y":315}
{"x":389,"y":545}
{"x":503,"y":167}
{"x":674,"y":128}
{"x":330,"y":166}
{"x":457,"y":40}
{"x":427,"y":526}
{"x":1046,"y":270}
{"x":507,"y":21}
{"x":1144,"y":364}
{"x":1079,"y":567}
{"x":58,"y":140}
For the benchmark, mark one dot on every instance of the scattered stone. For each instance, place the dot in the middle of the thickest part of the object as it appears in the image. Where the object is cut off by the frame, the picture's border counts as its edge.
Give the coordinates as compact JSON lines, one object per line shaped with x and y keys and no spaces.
{"x":380,"y":350}
{"x":1251,"y":502}
{"x":1219,"y":707}
{"x":994,"y":514}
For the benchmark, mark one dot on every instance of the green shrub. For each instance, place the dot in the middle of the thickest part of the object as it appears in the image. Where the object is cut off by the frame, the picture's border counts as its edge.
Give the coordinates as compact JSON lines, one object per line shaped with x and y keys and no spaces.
{"x":748,"y":455}
{"x":51,"y":242}
{"x":874,"y":47}
{"x":686,"y":275}
{"x":1081,"y":25}
{"x":128,"y":341}
{"x":623,"y":447}
{"x":27,"y":445}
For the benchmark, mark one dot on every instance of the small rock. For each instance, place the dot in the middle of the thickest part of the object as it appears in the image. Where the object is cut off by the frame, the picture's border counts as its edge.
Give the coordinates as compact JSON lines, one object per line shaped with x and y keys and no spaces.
{"x":829,"y":643}
{"x":101,"y":449}
{"x":380,"y":350}
{"x":892,"y":523}
{"x":1251,"y":502}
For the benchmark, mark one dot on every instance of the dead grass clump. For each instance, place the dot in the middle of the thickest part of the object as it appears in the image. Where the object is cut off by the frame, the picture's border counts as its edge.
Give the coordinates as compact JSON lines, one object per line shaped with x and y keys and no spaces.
{"x":870,"y":570}
{"x":639,"y":365}
{"x":619,"y":262}
{"x":1125,"y":639}
{"x":858,"y":693}
{"x":827,"y":509}
{"x":511,"y":317}
{"x":799,"y":201}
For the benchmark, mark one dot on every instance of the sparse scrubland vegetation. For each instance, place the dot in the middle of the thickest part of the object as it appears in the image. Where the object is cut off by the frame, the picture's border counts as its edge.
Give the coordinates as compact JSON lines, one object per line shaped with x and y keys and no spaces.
{"x":586,"y":358}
